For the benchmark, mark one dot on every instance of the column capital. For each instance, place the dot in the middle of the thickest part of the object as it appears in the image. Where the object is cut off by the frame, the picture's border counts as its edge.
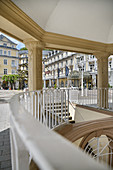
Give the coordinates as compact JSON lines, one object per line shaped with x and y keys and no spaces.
{"x":31,"y":43}
{"x":101,"y":55}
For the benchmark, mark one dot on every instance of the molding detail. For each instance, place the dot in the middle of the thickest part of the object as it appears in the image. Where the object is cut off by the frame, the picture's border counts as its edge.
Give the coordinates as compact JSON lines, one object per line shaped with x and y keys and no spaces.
{"x":16,"y":16}
{"x":30,"y":43}
{"x":101,"y":55}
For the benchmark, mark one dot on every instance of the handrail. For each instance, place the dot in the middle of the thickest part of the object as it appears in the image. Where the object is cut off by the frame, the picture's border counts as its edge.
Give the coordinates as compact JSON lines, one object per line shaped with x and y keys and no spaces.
{"x":48,"y":149}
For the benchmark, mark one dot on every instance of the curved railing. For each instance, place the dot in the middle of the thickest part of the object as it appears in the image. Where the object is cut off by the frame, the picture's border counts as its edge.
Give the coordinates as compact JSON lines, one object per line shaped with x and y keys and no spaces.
{"x":30,"y":139}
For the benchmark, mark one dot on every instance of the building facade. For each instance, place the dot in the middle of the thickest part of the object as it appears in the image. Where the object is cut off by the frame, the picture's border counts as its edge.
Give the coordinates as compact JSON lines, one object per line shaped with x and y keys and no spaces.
{"x":8,"y":57}
{"x":67,"y":69}
{"x":23,"y":67}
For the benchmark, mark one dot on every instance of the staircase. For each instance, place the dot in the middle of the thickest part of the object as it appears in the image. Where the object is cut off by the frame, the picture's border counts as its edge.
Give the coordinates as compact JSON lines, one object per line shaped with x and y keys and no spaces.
{"x":59,"y":112}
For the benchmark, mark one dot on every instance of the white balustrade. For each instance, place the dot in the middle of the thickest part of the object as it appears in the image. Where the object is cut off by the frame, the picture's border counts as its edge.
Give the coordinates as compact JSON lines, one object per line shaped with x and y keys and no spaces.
{"x":30,"y":139}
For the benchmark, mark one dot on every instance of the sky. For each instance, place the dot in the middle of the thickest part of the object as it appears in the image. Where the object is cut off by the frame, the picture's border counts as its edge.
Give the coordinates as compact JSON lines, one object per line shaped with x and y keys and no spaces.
{"x":19,"y":44}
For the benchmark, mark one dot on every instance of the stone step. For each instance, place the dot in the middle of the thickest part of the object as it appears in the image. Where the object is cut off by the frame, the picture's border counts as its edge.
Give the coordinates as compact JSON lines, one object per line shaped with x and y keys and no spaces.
{"x":72,"y":121}
{"x":56,"y":111}
{"x":67,"y":117}
{"x":54,"y":103}
{"x":56,"y":107}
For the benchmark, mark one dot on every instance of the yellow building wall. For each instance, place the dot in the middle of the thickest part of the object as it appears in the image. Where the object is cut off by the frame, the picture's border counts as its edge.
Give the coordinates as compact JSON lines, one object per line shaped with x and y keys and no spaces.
{"x":9,"y":58}
{"x":8,"y":66}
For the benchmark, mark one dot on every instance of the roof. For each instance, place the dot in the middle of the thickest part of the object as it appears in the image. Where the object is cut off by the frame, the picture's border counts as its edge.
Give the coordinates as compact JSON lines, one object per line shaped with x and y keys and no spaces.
{"x":2,"y":36}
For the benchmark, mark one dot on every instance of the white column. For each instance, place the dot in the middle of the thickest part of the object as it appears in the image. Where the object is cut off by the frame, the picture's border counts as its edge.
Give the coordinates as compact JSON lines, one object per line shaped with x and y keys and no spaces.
{"x":57,"y":82}
{"x":50,"y":82}
{"x":102,"y":62}
{"x":34,"y":64}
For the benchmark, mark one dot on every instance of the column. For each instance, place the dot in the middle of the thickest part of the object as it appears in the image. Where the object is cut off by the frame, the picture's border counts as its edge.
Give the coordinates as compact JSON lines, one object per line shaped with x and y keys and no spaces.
{"x":34,"y":64}
{"x":49,"y":82}
{"x":58,"y":82}
{"x":102,"y":64}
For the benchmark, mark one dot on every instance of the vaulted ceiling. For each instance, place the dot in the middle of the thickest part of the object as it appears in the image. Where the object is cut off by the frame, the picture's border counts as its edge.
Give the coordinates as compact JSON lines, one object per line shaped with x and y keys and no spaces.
{"x":87,"y":19}
{"x":72,"y":25}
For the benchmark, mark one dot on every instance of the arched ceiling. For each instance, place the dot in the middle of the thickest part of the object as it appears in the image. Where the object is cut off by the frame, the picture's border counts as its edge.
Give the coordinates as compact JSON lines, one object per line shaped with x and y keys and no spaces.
{"x":87,"y":19}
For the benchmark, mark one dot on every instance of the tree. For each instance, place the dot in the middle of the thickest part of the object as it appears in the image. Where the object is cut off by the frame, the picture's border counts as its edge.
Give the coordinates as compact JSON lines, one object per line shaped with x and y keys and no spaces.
{"x":23,"y":76}
{"x":11,"y":79}
{"x":24,"y":48}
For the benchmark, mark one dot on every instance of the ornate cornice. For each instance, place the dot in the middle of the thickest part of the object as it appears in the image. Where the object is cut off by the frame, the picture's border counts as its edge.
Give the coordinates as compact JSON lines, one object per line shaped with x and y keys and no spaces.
{"x":73,"y":42}
{"x":16,"y":16}
{"x":12,"y":13}
{"x":101,"y":55}
{"x":30,"y":44}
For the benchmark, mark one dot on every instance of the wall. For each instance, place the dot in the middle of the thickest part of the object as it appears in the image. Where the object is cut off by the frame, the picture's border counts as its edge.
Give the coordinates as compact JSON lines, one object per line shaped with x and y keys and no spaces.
{"x":84,"y":114}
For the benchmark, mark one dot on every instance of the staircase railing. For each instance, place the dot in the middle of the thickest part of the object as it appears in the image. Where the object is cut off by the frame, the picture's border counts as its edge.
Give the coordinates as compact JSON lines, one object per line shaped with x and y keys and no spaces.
{"x":99,"y":98}
{"x":30,"y":140}
{"x":49,"y":106}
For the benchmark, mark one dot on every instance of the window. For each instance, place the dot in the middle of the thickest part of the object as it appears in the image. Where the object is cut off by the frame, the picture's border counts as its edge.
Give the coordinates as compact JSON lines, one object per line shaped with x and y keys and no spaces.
{"x":5,"y":71}
{"x":58,"y":57}
{"x":23,"y":67}
{"x":71,"y":61}
{"x":13,"y":63}
{"x":5,"y":44}
{"x":0,"y":52}
{"x":66,"y":62}
{"x":23,"y":61}
{"x":61,"y":63}
{"x":57,"y":64}
{"x":9,"y":53}
{"x":5,"y":61}
{"x":62,"y":56}
{"x":5,"y":52}
{"x":12,"y":46}
{"x":13,"y":71}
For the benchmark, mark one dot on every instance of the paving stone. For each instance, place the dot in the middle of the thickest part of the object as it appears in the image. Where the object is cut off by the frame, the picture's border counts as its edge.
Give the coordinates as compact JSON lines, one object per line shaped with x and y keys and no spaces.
{"x":5,"y":151}
{"x":6,"y":164}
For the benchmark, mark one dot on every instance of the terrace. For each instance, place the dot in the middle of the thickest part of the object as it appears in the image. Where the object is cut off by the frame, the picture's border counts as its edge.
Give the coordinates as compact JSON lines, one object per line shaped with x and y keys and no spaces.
{"x":47,"y":26}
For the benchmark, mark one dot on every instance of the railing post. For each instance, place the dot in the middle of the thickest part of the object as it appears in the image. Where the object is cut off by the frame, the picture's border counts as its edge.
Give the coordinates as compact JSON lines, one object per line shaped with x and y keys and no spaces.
{"x":53,"y":108}
{"x":49,"y":104}
{"x":61,"y":106}
{"x":68,"y":104}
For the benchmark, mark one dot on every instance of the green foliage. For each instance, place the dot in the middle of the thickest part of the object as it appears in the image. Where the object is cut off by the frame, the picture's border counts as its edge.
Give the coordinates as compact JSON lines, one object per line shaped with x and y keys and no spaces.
{"x":55,"y":86}
{"x":10,"y":78}
{"x":24,"y":48}
{"x":109,"y":86}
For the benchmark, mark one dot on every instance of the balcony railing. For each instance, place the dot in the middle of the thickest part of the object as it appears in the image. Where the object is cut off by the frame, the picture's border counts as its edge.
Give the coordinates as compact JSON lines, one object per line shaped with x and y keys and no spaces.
{"x":30,"y":140}
{"x":99,"y":98}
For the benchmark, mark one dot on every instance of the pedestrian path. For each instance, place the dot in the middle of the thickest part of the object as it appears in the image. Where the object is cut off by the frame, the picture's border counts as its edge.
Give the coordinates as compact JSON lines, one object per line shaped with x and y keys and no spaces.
{"x":4,"y":116}
{"x":5,"y":150}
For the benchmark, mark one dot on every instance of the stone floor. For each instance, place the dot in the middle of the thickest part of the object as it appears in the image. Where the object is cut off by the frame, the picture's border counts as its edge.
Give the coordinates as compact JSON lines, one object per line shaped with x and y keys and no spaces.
{"x":5,"y":150}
